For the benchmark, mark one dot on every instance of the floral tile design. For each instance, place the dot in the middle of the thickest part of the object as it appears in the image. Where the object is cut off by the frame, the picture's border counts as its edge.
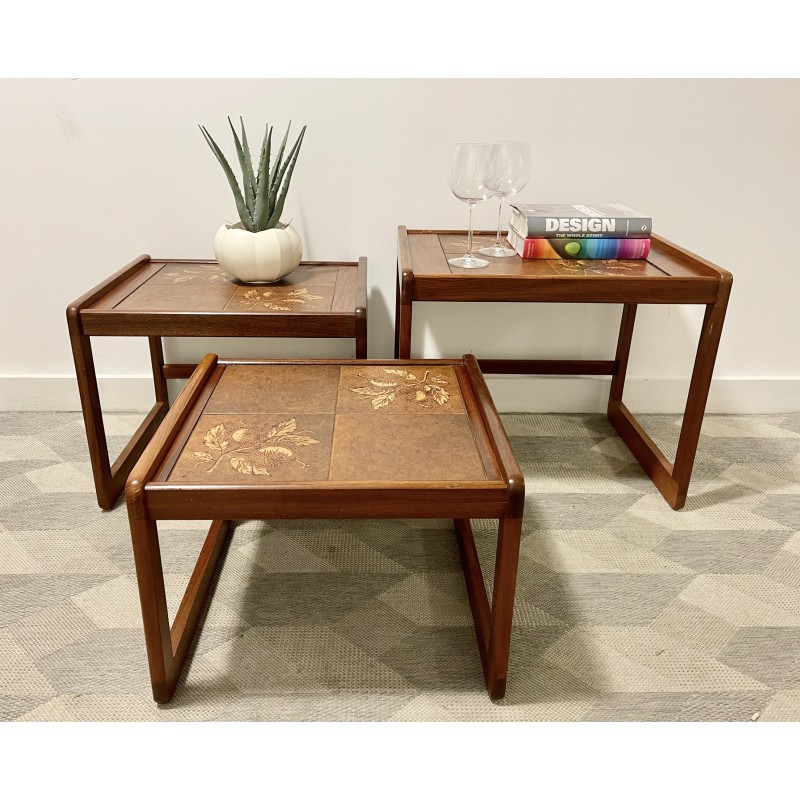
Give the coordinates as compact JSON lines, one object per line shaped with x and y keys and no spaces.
{"x":604,"y":266}
{"x":400,"y":390}
{"x":255,"y":448}
{"x":177,"y":274}
{"x":269,"y":297}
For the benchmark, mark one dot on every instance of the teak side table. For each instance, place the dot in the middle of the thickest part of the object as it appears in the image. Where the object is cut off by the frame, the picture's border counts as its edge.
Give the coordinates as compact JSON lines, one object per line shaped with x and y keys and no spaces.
{"x":670,"y":274}
{"x":332,"y":440}
{"x":180,"y":297}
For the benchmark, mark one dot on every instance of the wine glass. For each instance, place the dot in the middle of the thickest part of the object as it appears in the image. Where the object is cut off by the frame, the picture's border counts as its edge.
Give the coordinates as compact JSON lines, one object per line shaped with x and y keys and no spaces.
{"x":469,"y":174}
{"x":509,"y":172}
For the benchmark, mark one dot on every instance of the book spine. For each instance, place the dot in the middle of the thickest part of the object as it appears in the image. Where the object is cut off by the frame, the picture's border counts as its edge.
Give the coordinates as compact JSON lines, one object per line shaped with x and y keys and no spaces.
{"x":540,"y":227}
{"x":579,"y":248}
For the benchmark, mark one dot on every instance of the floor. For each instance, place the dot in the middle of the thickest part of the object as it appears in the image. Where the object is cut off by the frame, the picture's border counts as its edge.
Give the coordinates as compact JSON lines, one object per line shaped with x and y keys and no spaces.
{"x":626,"y":610}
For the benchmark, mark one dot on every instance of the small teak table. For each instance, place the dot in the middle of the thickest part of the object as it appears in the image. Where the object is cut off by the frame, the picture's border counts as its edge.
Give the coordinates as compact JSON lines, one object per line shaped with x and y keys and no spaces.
{"x":179,"y":297}
{"x":669,"y":275}
{"x":326,"y":439}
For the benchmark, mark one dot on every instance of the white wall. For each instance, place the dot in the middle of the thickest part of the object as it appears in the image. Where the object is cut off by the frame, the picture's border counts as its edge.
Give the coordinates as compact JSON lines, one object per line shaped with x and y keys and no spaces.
{"x":95,"y":172}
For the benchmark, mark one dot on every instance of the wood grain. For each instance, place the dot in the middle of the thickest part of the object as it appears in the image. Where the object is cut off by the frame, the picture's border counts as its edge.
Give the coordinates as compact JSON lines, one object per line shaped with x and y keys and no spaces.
{"x":145,"y":299}
{"x":670,"y":275}
{"x":152,"y":495}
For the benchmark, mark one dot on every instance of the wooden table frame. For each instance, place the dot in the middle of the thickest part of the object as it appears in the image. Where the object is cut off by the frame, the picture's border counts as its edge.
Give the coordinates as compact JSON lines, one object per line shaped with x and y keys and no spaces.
{"x":150,"y":497}
{"x":423,"y":274}
{"x":94,"y":314}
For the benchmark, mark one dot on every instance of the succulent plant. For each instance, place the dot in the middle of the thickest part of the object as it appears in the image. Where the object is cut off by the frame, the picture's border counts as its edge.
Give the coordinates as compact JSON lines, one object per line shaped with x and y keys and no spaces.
{"x":260,"y":205}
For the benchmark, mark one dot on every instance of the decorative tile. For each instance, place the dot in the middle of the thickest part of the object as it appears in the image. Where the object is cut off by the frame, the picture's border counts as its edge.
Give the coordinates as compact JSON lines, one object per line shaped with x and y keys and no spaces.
{"x":399,"y":390}
{"x":177,"y":274}
{"x":281,"y":299}
{"x":251,"y":449}
{"x":413,"y":447}
{"x":189,"y":296}
{"x":276,"y":389}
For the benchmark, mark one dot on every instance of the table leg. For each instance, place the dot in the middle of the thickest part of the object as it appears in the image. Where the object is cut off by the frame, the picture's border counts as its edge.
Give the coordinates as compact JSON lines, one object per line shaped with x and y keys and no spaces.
{"x":672,"y":480}
{"x":361,"y":309}
{"x":157,"y":362}
{"x":92,"y":418}
{"x":361,"y":333}
{"x":153,"y":599}
{"x":698,"y":393}
{"x":167,"y":649}
{"x":505,"y":582}
{"x":109,"y":480}
{"x":402,"y":319}
{"x":492,"y":624}
{"x":623,"y":351}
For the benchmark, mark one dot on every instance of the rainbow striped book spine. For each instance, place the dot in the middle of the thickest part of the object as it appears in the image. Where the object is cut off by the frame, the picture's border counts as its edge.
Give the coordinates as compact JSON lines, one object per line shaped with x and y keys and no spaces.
{"x":578,"y":247}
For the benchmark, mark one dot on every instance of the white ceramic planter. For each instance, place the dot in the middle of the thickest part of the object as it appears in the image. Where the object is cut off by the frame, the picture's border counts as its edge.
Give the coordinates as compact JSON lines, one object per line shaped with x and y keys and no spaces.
{"x":261,"y":257}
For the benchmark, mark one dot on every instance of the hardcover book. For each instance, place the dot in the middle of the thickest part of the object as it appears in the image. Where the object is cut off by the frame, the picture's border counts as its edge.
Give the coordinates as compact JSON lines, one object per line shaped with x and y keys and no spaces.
{"x":613,"y":221}
{"x":578,"y":247}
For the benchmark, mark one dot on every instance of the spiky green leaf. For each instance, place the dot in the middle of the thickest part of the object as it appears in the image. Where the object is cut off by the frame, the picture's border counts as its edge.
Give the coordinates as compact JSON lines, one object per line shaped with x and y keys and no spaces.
{"x":278,"y":160}
{"x":262,"y":209}
{"x":263,"y":161}
{"x":251,"y":178}
{"x":279,"y":171}
{"x":247,"y":170}
{"x":290,"y":162}
{"x":283,"y":177}
{"x":241,"y":207}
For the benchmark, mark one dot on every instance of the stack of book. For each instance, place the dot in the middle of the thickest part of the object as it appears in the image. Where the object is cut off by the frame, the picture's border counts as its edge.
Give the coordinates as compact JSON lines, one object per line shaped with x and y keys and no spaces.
{"x":563,"y":231}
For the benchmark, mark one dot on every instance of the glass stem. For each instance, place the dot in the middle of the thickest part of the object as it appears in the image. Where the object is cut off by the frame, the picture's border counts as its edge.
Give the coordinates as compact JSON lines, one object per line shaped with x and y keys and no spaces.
{"x":499,"y":217}
{"x":469,"y":235}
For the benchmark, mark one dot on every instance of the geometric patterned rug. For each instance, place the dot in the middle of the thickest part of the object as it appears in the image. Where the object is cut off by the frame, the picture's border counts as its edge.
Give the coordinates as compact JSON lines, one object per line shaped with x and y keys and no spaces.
{"x":625,"y":610}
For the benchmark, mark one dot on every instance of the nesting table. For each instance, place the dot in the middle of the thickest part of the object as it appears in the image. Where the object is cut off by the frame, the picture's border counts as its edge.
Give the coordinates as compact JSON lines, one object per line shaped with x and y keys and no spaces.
{"x":326,"y":439}
{"x":670,"y":274}
{"x":177,"y":297}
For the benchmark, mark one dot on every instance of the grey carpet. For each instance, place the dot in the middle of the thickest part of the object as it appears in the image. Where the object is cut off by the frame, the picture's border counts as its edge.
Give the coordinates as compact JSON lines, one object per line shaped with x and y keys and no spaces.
{"x":626,"y":610}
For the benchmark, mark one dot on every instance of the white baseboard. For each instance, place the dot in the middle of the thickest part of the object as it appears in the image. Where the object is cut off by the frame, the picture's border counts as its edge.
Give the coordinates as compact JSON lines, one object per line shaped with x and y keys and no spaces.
{"x":764,"y":395}
{"x":49,"y":393}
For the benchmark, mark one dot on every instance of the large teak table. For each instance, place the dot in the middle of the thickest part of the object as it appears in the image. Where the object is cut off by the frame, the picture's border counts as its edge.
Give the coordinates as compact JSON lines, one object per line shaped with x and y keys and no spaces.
{"x":325,"y":439}
{"x":178,"y":297}
{"x":670,"y":274}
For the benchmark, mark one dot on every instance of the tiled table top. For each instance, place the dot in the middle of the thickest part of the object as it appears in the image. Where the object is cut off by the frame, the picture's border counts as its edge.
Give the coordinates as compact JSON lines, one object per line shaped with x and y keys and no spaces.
{"x":338,"y":423}
{"x":206,"y":287}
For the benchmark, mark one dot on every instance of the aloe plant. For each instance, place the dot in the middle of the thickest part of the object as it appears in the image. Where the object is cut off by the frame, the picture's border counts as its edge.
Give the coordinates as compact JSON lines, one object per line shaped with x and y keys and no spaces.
{"x":260,"y":199}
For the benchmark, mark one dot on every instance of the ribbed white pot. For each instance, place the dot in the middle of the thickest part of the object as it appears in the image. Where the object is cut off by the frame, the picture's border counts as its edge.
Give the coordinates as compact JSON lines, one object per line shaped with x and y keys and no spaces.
{"x":261,"y":257}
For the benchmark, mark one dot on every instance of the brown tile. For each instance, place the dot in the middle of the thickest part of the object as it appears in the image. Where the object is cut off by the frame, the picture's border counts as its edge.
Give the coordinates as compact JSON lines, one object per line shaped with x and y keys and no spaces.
{"x":310,"y":276}
{"x":183,"y":297}
{"x":456,"y":245}
{"x":407,"y":447}
{"x":276,"y":389}
{"x":281,"y":299}
{"x":178,"y":274}
{"x":508,"y":266}
{"x":258,"y":448}
{"x":399,"y":390}
{"x":604,"y":266}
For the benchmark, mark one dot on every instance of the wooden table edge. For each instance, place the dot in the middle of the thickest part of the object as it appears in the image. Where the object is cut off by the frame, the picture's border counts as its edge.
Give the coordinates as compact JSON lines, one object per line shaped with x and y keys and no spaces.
{"x":150,"y":473}
{"x":657,"y":241}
